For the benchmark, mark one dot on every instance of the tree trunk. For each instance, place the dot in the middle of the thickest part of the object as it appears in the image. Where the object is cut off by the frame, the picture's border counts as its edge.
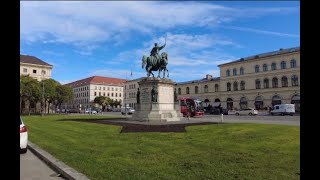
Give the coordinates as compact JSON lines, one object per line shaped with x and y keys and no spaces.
{"x":29,"y":105}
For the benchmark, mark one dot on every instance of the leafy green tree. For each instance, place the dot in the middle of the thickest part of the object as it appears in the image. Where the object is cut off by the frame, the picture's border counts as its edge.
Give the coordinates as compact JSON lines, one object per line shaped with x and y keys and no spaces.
{"x":30,"y":91}
{"x":102,"y":101}
{"x":64,"y":94}
{"x":50,"y":93}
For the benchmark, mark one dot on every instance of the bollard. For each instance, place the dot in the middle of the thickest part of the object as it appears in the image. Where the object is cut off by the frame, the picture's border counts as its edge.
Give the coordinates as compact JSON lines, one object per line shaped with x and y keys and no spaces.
{"x":221,"y":117}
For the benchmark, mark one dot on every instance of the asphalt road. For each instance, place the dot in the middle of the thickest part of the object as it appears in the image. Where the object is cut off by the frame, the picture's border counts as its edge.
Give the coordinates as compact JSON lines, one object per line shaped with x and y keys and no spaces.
{"x":32,"y":168}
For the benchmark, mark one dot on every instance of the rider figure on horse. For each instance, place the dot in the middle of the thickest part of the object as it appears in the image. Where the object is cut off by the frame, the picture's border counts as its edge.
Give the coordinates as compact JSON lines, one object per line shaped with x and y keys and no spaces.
{"x":155,"y":52}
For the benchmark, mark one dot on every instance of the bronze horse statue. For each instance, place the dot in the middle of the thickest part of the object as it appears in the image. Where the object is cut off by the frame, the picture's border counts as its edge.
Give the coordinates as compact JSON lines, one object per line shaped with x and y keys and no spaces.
{"x":153,"y":64}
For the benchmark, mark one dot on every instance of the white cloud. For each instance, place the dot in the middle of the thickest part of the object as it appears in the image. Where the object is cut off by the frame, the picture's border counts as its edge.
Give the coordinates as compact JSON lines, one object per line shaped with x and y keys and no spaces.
{"x":261,"y":31}
{"x":95,"y":22}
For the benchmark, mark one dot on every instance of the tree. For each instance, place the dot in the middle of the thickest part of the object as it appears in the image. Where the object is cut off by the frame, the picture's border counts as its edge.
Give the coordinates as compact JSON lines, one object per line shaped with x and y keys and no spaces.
{"x":64,"y":94}
{"x":29,"y":91}
{"x":102,"y":101}
{"x":50,"y":93}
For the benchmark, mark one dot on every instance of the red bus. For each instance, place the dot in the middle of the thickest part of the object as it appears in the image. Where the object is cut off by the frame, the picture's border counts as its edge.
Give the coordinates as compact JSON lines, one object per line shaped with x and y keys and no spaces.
{"x":195,"y":107}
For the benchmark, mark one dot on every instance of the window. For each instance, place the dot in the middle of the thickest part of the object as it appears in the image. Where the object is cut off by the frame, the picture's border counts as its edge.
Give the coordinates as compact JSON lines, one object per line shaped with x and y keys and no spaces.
{"x":25,"y":70}
{"x":112,"y":89}
{"x":179,"y":91}
{"x":294,"y":80}
{"x":95,"y":93}
{"x":258,"y":84}
{"x":256,"y":68}
{"x":242,"y":85}
{"x":119,"y":94}
{"x":108,"y":95}
{"x":275,"y":82}
{"x":228,"y":86}
{"x":187,"y":90}
{"x":293,"y":63}
{"x":196,"y":90}
{"x":265,"y":67}
{"x":95,"y":88}
{"x":234,"y":71}
{"x":206,"y":88}
{"x":228,"y":72}
{"x":283,"y":65}
{"x":216,"y":88}
{"x":273,"y":66}
{"x":284,"y":81}
{"x":116,"y":94}
{"x":266,"y":83}
{"x":104,"y":94}
{"x":99,"y":93}
{"x":43,"y":72}
{"x":104,"y":88}
{"x":99,"y":88}
{"x":34,"y":71}
{"x":108,"y":89}
{"x":111,"y":94}
{"x":241,"y":71}
{"x":235,"y":86}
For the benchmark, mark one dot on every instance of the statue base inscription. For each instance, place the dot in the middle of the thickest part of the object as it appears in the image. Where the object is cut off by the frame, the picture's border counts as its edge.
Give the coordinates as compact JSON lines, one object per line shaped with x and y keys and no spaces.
{"x":157,"y":101}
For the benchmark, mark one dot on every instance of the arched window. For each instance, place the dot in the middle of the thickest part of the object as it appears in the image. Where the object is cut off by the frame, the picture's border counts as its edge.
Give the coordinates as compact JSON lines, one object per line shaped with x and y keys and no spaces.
{"x":276,"y":100}
{"x":235,"y":86}
{"x":242,"y":85}
{"x":256,"y":68}
{"x":273,"y":66}
{"x":243,"y":103}
{"x":284,"y":81}
{"x":234,"y":71}
{"x":296,"y":101}
{"x":179,"y":91}
{"x":187,"y":90}
{"x":283,"y":65}
{"x":229,"y":103}
{"x":228,"y":72}
{"x":258,"y":103}
{"x":293,"y":63}
{"x":294,"y":80}
{"x":241,"y":71}
{"x":228,"y":86}
{"x":216,"y":88}
{"x":258,"y":84}
{"x":206,"y":88}
{"x":274,"y":82}
{"x":196,"y":90}
{"x":266,"y":83}
{"x":265,"y":67}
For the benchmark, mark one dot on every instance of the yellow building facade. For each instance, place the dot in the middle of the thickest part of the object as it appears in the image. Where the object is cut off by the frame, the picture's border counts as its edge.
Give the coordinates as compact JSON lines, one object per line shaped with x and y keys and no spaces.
{"x":258,"y":81}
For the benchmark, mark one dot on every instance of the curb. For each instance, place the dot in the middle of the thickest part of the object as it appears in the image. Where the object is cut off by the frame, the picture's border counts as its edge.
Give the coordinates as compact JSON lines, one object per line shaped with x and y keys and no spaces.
{"x":57,"y":165}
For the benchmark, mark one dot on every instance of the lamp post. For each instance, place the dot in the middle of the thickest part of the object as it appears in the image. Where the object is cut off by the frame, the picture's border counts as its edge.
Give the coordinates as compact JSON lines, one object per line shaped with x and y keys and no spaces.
{"x":42,"y":114}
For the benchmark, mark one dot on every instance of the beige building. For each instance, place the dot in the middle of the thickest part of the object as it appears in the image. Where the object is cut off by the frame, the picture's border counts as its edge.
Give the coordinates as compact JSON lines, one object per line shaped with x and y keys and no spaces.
{"x":36,"y":68}
{"x":130,"y":90}
{"x":86,"y":90}
{"x":257,"y":81}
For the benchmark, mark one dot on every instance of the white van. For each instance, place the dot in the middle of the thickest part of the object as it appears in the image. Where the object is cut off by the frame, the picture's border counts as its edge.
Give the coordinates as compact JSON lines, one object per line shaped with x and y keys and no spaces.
{"x":128,"y":110}
{"x":283,"y":109}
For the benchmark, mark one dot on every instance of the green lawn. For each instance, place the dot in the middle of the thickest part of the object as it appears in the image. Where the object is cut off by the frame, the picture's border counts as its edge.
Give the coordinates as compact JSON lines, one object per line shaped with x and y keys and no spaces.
{"x":217,"y":151}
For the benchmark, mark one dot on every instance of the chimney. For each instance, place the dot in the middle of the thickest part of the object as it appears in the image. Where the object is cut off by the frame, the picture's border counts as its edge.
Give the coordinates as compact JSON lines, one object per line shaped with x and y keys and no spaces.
{"x":208,"y":77}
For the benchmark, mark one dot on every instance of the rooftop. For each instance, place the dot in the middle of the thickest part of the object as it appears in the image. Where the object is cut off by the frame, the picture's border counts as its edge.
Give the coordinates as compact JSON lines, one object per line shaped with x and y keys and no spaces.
{"x":268,"y":54}
{"x":32,"y":60}
{"x":97,"y":80}
{"x":199,"y":80}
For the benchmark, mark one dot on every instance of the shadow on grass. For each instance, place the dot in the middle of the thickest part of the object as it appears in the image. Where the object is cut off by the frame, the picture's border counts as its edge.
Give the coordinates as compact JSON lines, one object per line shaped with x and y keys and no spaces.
{"x":132,"y":127}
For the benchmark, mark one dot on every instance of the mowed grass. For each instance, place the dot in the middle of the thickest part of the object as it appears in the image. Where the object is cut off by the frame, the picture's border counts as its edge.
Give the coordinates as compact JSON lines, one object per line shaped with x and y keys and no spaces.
{"x":217,"y":151}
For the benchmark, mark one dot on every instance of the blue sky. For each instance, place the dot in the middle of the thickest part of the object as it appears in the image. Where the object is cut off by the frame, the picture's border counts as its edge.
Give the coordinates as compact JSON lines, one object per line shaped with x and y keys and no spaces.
{"x":108,"y":38}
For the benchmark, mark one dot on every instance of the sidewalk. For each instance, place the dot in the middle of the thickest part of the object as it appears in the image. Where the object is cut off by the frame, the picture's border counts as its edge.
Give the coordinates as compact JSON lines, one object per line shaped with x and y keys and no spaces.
{"x":57,"y":165}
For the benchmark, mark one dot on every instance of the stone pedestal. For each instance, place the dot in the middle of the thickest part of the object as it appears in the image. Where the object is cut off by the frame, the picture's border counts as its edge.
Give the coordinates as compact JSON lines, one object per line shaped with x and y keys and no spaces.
{"x":160,"y":108}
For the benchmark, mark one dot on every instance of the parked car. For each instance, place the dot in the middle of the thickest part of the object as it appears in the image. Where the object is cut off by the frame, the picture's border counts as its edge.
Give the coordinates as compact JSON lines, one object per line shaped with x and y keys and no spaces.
{"x":128,"y":110}
{"x":283,"y":109}
{"x":23,"y":137}
{"x":231,"y":112}
{"x":248,"y":111}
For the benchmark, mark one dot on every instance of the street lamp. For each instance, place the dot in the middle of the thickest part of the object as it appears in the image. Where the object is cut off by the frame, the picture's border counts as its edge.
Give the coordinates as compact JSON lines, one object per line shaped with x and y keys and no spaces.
{"x":42,"y":114}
